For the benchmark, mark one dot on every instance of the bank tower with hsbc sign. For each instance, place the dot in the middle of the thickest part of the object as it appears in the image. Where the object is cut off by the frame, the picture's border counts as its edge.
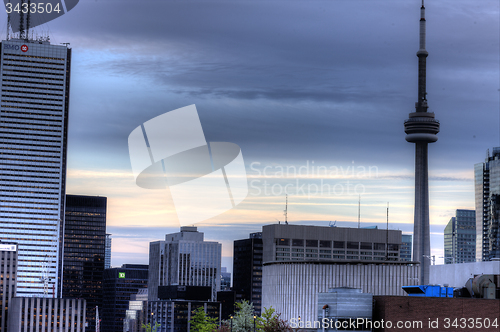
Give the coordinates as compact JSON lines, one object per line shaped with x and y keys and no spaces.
{"x":35,"y":78}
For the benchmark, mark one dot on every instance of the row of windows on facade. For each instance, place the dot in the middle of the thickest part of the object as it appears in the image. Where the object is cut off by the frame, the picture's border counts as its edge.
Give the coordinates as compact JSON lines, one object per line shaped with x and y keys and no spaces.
{"x":336,"y":244}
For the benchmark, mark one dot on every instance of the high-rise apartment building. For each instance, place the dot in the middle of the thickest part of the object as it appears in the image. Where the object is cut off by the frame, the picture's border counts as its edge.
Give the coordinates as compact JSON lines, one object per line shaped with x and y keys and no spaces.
{"x":84,"y":250}
{"x":460,"y":238}
{"x":8,"y":271}
{"x":247,"y":270}
{"x":184,"y":259}
{"x":35,"y":81}
{"x":487,"y":188}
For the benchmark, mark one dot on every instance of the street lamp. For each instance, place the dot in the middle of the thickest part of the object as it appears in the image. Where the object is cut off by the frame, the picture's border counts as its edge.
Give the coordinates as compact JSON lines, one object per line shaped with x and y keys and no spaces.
{"x":254,"y":317}
{"x":231,"y":323}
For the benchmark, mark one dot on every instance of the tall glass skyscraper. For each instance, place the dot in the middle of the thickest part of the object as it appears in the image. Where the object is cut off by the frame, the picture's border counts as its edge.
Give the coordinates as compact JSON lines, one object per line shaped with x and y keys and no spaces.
{"x":460,"y":238}
{"x":487,"y":187}
{"x":34,"y":79}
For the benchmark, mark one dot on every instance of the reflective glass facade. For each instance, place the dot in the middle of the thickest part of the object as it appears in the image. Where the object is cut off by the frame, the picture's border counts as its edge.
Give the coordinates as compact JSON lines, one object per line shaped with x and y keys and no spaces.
{"x":487,"y":188}
{"x":35,"y":80}
{"x":460,"y":238}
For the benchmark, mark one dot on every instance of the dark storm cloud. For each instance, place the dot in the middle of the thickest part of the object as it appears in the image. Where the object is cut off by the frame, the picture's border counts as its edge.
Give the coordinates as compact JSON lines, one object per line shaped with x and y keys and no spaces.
{"x":315,"y":79}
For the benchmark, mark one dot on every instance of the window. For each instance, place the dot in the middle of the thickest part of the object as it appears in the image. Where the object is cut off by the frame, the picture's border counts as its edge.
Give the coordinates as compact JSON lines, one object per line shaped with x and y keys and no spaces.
{"x":283,"y":242}
{"x":393,"y":247}
{"x":325,"y":244}
{"x":338,"y":244}
{"x":379,"y":246}
{"x":366,"y":245}
{"x":312,"y":243}
{"x":352,"y":245}
{"x":297,"y":242}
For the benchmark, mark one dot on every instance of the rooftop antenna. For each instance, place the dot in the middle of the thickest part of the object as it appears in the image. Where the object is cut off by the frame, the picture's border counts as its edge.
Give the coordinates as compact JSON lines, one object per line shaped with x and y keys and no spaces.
{"x":8,"y":24}
{"x":21,"y":21}
{"x":387,"y":232}
{"x":359,"y":212}
{"x":286,"y":210}
{"x":28,"y":21}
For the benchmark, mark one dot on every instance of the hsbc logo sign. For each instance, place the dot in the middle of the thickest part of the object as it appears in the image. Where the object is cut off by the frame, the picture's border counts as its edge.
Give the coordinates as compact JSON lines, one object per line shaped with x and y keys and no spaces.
{"x":23,"y":48}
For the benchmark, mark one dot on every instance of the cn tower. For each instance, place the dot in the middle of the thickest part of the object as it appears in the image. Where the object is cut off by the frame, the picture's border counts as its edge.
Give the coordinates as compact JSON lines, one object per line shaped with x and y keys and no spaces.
{"x":421,"y":128}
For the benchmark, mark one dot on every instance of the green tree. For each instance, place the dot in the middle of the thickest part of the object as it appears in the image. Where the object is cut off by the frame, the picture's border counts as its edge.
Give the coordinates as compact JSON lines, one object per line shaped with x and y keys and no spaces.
{"x":151,"y":329}
{"x":270,"y":322}
{"x":243,"y":317}
{"x":200,"y":322}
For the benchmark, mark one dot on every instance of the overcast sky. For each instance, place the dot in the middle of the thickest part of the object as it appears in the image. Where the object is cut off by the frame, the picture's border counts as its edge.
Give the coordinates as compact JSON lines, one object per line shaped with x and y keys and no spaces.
{"x":293,"y":83}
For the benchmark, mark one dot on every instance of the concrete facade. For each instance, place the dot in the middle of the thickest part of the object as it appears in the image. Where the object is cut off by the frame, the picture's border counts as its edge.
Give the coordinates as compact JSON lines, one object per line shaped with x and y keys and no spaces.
{"x":292,"y":288}
{"x":315,"y":243}
{"x":456,"y":275}
{"x":37,"y":314}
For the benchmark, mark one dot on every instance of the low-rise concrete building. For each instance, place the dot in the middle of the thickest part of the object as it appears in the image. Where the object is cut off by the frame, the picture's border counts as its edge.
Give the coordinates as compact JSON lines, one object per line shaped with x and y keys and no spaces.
{"x":292,"y":287}
{"x":36,"y":314}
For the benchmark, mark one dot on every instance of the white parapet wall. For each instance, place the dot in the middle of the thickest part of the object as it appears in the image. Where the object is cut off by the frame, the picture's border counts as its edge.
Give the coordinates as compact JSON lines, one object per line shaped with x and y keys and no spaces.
{"x":456,"y":275}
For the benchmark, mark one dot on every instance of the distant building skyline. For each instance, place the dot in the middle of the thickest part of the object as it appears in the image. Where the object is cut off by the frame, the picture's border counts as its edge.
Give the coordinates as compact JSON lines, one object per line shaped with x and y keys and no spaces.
{"x":460,"y":238}
{"x":35,"y":81}
{"x":487,"y":198}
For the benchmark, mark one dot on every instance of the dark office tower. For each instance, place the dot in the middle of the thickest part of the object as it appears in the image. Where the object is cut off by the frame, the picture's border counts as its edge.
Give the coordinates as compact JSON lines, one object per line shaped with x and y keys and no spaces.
{"x":84,"y":250}
{"x":8,"y":271}
{"x":460,"y":238}
{"x":119,"y":284}
{"x":487,"y":187}
{"x":34,"y":79}
{"x":247,"y":270}
{"x":421,"y":128}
